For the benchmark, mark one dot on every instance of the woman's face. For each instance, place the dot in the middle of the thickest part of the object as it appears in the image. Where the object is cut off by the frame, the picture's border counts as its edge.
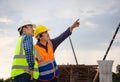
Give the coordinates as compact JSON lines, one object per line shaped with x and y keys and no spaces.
{"x":45,"y":36}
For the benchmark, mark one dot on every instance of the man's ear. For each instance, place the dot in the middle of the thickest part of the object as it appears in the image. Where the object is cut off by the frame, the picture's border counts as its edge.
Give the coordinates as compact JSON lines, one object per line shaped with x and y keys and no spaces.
{"x":24,"y":30}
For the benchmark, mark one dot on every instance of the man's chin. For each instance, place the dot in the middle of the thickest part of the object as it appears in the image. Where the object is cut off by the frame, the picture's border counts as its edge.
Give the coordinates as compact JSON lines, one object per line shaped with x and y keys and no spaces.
{"x":32,"y":35}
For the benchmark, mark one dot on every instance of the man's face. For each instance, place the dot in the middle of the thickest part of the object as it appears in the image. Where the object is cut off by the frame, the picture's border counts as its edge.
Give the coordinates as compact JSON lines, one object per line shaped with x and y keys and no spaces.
{"x":29,"y":30}
{"x":45,"y":36}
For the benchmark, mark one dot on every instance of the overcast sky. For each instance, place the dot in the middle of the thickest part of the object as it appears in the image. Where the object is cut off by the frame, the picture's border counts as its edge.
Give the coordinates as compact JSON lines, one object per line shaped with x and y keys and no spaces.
{"x":99,"y":20}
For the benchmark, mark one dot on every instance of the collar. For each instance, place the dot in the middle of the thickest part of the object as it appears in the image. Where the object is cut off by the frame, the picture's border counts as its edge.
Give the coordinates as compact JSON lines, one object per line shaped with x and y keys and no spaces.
{"x":41,"y":45}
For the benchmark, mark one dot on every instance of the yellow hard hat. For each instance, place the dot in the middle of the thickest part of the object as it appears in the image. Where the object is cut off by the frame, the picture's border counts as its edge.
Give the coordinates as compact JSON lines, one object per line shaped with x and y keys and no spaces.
{"x":39,"y":29}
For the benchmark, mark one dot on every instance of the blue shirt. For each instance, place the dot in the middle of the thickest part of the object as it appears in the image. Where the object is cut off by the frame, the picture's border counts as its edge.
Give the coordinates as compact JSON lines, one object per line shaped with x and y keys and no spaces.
{"x":28,"y":47}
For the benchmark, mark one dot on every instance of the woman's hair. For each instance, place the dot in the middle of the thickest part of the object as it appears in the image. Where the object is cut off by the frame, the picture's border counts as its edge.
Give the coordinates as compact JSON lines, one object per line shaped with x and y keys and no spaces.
{"x":40,"y":35}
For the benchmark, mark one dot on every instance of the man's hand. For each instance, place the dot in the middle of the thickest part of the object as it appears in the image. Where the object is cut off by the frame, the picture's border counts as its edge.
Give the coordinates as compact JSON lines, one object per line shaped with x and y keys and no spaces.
{"x":75,"y":24}
{"x":31,"y":73}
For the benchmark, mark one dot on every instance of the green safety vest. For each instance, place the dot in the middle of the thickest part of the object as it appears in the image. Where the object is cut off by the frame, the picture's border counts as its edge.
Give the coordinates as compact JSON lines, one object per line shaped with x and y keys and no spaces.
{"x":20,"y":64}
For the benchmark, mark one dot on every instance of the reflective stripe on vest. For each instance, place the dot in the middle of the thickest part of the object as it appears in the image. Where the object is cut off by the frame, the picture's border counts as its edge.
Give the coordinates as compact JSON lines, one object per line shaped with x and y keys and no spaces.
{"x":45,"y":63}
{"x":20,"y":64}
{"x":19,"y":56}
{"x":22,"y":67}
{"x":49,"y":71}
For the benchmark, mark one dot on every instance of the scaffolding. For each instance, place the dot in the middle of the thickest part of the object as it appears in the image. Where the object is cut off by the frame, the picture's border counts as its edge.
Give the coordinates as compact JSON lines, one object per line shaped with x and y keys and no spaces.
{"x":77,"y":73}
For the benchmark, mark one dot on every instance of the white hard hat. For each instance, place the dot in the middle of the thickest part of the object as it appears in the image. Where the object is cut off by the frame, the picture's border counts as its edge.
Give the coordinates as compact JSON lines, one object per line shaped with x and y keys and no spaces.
{"x":24,"y":23}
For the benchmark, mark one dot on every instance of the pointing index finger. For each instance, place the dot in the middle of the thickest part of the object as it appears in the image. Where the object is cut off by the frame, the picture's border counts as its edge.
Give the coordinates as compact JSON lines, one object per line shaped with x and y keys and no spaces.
{"x":77,"y":20}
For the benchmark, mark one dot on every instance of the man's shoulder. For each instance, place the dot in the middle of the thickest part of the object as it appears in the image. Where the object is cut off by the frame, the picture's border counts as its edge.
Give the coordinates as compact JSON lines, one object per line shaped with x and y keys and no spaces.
{"x":27,"y":36}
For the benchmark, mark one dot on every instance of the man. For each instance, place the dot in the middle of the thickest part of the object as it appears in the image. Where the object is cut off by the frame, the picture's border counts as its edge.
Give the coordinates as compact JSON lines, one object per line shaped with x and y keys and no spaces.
{"x":45,"y":49}
{"x":24,"y":66}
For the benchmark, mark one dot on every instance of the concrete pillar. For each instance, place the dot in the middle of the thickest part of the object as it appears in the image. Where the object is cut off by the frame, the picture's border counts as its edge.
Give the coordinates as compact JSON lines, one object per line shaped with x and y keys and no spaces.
{"x":105,"y":70}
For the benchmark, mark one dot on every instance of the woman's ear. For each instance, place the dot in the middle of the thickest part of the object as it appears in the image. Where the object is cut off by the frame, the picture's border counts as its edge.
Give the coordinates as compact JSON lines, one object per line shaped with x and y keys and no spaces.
{"x":39,"y":37}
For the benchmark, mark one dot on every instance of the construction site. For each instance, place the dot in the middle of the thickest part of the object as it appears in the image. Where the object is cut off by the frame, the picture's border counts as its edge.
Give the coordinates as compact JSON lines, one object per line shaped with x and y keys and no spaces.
{"x":77,"y":73}
{"x":88,"y":73}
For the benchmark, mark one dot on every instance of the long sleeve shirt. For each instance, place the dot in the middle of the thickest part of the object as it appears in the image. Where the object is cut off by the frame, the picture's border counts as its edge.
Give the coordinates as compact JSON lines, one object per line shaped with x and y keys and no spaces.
{"x":58,"y":40}
{"x":28,"y":47}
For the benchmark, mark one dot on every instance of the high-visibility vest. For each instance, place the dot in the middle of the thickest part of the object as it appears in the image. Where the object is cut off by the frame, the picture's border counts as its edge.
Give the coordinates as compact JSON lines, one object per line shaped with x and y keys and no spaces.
{"x":47,"y":65}
{"x":20,"y":64}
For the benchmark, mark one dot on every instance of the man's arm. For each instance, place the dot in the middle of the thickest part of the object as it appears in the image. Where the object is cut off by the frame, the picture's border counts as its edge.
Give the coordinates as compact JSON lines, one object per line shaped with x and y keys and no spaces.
{"x":28,"y":47}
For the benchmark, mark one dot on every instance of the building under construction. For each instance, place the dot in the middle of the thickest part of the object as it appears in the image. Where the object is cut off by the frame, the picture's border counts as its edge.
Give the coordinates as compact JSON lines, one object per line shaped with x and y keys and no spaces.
{"x":77,"y":73}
